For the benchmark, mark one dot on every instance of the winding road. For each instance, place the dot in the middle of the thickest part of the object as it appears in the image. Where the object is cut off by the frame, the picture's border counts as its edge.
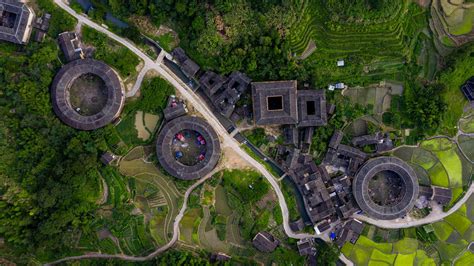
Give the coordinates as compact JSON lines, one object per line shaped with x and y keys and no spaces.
{"x":201,"y":107}
{"x":433,"y":217}
{"x":227,"y":141}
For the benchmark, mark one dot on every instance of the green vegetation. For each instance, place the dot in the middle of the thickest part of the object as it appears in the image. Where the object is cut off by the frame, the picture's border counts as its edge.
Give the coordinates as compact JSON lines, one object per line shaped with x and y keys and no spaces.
{"x":112,"y":53}
{"x":249,"y":185}
{"x":443,"y":242}
{"x":256,"y":136}
{"x":60,"y":21}
{"x":49,"y":172}
{"x":290,"y":193}
{"x":439,"y":162}
{"x":243,"y":190}
{"x":153,"y":99}
{"x":458,"y":71}
{"x":166,"y":41}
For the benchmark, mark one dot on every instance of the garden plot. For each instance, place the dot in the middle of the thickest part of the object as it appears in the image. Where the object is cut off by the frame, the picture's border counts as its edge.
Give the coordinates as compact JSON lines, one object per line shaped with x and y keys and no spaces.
{"x":155,"y":194}
{"x":150,"y":121}
{"x":467,"y":146}
{"x":466,"y":124}
{"x":143,"y":133}
{"x":402,"y":252}
{"x":189,"y":226}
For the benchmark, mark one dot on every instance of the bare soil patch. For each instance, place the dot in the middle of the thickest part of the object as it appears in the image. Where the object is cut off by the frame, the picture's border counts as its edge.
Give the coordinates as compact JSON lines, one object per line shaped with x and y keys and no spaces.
{"x":142,"y":132}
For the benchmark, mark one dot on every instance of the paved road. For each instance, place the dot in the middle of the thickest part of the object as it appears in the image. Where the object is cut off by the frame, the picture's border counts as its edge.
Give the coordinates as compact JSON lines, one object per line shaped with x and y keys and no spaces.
{"x":433,"y":217}
{"x":199,"y":105}
{"x":139,"y":80}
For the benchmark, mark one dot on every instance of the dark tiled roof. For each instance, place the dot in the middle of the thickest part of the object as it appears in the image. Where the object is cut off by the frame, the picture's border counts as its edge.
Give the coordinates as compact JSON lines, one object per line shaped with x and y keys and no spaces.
{"x":306,"y":247}
{"x":323,"y":226}
{"x":365,"y":140}
{"x":351,"y":152}
{"x":224,"y":93}
{"x":442,"y":195}
{"x":188,"y":66}
{"x":426,"y":191}
{"x":336,"y":139}
{"x":290,"y":135}
{"x":310,"y":184}
{"x":468,"y":89}
{"x":211,"y":82}
{"x":288,"y":114}
{"x":174,"y":109}
{"x":16,"y":21}
{"x":265,"y":242}
{"x":356,"y":226}
{"x":107,"y":158}
{"x":297,"y":225}
{"x":238,"y":81}
{"x":167,"y":159}
{"x":70,"y":46}
{"x":60,"y":94}
{"x":370,"y":169}
{"x":312,"y":108}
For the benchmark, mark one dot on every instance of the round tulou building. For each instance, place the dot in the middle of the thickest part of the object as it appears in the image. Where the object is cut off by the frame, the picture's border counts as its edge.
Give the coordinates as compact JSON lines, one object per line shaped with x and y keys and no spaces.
{"x":87,"y":94}
{"x":188,"y":147}
{"x":385,"y":188}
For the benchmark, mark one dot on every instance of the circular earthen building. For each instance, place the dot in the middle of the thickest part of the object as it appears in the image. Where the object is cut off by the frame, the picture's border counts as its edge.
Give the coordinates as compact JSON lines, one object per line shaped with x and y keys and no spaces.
{"x":386,"y":188}
{"x":188,"y":147}
{"x":87,"y":94}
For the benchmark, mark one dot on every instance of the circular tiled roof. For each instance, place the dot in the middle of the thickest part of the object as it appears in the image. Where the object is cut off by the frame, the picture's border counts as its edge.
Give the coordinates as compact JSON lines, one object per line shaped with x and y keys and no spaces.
{"x":378,"y":165}
{"x":167,"y":158}
{"x":60,"y":94}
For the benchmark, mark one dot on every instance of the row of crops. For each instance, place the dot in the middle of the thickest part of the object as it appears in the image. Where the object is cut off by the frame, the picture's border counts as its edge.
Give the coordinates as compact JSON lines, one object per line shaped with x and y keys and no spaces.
{"x":445,"y":241}
{"x":373,"y":51}
{"x":439,"y":162}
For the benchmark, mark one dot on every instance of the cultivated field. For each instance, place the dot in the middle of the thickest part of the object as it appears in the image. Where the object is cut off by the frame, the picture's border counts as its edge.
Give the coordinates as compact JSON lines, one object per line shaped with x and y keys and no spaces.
{"x":445,"y":241}
{"x":442,"y":161}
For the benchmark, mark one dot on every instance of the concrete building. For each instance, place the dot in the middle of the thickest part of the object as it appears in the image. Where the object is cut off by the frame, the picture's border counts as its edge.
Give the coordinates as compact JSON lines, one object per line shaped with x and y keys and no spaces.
{"x":16,"y":21}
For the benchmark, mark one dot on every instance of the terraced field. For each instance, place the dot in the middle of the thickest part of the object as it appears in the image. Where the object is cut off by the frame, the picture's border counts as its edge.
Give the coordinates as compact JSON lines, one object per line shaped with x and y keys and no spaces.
{"x":372,"y":51}
{"x":449,"y":245}
{"x":441,"y":161}
{"x":155,"y":194}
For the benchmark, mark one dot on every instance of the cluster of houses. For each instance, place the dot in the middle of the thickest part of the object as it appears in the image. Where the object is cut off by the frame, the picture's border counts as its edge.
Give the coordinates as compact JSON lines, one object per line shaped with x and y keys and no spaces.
{"x":17,"y":22}
{"x":220,"y":92}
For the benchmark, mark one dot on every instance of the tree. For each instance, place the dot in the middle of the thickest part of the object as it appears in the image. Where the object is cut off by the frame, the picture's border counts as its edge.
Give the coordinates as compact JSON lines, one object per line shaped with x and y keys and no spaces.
{"x":328,"y":254}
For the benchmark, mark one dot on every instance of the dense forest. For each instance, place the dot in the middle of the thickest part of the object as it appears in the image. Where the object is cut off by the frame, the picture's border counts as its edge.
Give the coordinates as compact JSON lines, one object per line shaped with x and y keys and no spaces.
{"x":48,"y":170}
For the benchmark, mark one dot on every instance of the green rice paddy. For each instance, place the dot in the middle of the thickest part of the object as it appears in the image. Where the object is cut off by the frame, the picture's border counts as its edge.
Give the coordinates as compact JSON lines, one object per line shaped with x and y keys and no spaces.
{"x":453,"y":235}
